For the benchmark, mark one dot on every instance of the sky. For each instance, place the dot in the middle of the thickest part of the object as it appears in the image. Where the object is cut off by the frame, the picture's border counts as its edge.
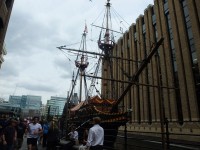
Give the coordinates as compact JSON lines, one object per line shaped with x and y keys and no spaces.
{"x":33,"y":65}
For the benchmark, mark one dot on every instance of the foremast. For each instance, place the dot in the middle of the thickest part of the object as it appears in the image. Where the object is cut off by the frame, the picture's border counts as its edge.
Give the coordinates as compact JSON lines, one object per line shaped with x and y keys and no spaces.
{"x":82,"y":63}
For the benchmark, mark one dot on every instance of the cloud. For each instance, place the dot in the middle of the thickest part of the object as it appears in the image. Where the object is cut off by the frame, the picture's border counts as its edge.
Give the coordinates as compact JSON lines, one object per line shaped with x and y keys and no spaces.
{"x":33,"y":64}
{"x":37,"y":87}
{"x":10,"y":71}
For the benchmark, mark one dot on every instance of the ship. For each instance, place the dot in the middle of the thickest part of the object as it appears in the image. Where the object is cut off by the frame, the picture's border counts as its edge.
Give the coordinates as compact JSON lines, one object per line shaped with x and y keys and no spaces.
{"x":105,"y":106}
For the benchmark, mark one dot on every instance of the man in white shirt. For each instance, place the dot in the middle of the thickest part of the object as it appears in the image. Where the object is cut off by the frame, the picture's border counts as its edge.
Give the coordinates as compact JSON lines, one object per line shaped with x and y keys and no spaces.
{"x":96,"y":135}
{"x":34,"y":131}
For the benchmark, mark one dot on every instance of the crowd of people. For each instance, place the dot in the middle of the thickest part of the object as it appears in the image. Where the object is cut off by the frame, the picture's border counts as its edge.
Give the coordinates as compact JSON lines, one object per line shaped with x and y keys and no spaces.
{"x":48,"y":135}
{"x":44,"y":133}
{"x":11,"y":136}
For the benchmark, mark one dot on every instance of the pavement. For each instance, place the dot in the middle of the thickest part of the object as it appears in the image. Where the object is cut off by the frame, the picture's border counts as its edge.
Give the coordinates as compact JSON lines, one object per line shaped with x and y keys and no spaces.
{"x":24,"y":145}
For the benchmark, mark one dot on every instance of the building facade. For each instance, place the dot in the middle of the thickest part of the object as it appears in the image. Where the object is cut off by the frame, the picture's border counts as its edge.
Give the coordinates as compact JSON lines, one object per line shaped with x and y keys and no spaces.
{"x":5,"y":12}
{"x":74,"y":100}
{"x":43,"y":110}
{"x":26,"y":101}
{"x":15,"y":99}
{"x":55,"y":105}
{"x":169,"y":87}
{"x":30,"y":105}
{"x":31,"y":102}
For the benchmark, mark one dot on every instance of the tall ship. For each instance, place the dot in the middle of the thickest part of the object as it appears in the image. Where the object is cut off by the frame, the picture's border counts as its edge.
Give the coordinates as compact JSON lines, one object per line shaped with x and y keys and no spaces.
{"x":104,"y":104}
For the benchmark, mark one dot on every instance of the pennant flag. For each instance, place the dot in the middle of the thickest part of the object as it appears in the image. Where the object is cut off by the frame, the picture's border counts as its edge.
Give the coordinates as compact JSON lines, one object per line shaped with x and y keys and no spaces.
{"x":85,"y":30}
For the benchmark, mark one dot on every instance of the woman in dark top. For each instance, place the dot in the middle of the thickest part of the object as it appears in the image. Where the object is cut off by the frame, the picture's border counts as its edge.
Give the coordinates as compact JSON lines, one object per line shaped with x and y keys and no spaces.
{"x":52,"y":136}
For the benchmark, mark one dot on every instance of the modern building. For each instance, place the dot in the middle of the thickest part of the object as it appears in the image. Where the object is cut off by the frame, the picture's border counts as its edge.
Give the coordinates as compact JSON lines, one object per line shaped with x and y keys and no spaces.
{"x":29,"y":104}
{"x":43,"y":110}
{"x":169,"y":87}
{"x":26,"y":101}
{"x":15,"y":99}
{"x":74,"y":100}
{"x":1,"y":100}
{"x":5,"y":12}
{"x":55,"y":105}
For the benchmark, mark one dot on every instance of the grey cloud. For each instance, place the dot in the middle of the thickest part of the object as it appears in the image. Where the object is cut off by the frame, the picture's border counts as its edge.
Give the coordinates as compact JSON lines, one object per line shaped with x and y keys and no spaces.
{"x":34,"y":33}
{"x":37,"y":87}
{"x":66,"y":76}
{"x":10,"y":71}
{"x":30,"y":38}
{"x":63,"y":64}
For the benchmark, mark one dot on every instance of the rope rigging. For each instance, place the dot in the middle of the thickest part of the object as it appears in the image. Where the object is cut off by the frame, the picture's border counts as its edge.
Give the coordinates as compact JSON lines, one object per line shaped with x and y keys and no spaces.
{"x":106,"y":43}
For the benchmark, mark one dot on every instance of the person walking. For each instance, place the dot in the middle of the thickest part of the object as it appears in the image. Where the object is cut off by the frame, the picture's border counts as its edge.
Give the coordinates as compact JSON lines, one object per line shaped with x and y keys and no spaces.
{"x":9,"y":136}
{"x":45,"y":132}
{"x":40,"y":139}
{"x":52,"y":136}
{"x":21,"y":128}
{"x":34,"y":131}
{"x":96,"y":135}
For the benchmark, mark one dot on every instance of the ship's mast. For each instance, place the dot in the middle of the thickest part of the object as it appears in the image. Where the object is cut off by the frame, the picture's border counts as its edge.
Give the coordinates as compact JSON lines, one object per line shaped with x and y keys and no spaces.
{"x":82,"y":63}
{"x":106,"y":41}
{"x":106,"y":44}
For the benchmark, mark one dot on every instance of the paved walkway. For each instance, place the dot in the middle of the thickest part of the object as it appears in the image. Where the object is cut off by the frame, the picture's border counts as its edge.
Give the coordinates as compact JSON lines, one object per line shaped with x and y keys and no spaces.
{"x":24,"y":145}
{"x":62,"y":142}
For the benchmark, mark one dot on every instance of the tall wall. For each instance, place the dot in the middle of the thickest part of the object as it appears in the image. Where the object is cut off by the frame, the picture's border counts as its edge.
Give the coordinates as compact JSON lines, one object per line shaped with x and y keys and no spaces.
{"x":169,"y":87}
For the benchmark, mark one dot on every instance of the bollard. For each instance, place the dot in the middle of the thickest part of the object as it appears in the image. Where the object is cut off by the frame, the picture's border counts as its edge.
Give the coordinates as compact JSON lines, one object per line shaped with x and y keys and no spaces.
{"x":167,"y":132}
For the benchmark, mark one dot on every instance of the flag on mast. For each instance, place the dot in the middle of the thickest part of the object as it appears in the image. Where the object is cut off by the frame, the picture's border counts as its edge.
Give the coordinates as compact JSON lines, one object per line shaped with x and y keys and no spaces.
{"x":85,"y":30}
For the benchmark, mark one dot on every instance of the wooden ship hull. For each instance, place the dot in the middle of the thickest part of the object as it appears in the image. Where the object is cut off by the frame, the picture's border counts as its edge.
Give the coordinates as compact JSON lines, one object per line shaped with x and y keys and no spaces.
{"x":82,"y":114}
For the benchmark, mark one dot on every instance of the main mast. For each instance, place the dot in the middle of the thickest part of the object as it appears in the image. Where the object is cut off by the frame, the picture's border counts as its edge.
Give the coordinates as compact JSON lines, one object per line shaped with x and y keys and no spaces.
{"x":106,"y":44}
